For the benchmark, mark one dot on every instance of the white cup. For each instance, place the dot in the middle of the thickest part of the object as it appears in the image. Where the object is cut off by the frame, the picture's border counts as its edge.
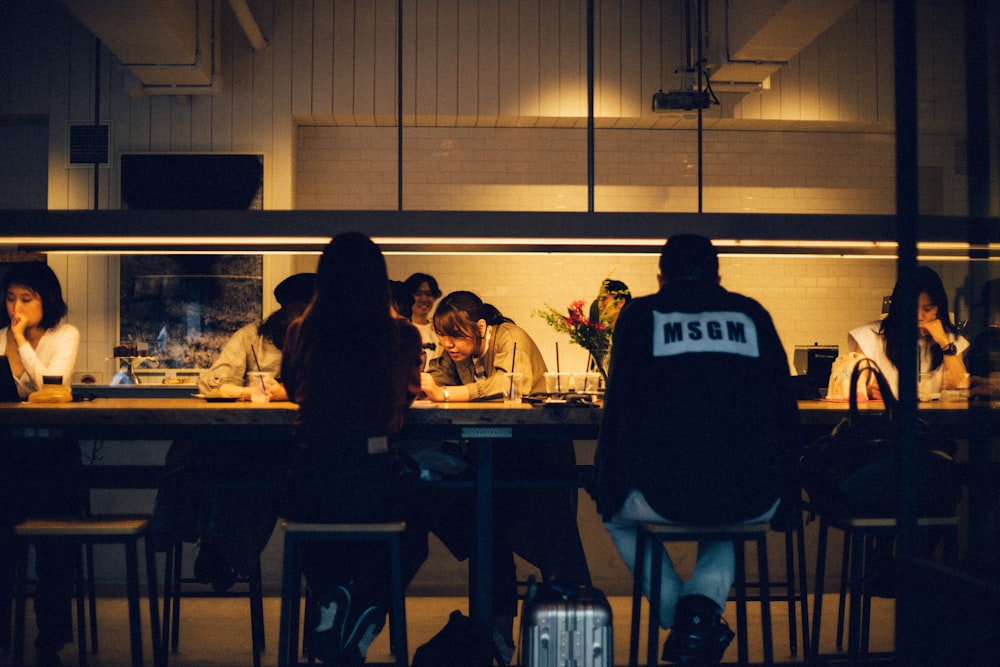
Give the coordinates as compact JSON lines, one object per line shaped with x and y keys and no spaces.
{"x":558,"y":383}
{"x":512,"y":387}
{"x":257,"y":381}
{"x":586,"y":383}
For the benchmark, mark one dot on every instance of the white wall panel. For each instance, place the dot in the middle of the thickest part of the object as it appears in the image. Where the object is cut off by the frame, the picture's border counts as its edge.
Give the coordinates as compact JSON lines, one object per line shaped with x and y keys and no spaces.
{"x":385,"y":50}
{"x":344,"y":43}
{"x":511,"y":63}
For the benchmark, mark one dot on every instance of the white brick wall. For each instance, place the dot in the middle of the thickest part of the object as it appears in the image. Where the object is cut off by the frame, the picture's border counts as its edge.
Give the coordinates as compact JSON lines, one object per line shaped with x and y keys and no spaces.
{"x":524,"y":169}
{"x":811,"y":299}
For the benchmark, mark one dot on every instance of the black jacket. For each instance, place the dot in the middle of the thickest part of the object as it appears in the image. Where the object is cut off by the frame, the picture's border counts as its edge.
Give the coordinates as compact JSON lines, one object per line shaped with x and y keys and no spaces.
{"x":700,"y":413}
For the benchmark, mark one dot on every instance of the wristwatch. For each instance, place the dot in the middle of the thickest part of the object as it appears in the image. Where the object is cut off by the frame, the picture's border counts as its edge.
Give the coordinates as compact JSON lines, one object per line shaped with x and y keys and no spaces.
{"x":950,"y":350}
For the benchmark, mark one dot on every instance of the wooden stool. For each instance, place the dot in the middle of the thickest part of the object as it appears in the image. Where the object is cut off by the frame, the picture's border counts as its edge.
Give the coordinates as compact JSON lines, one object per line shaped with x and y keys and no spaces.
{"x":649,"y":534}
{"x":291,"y":579}
{"x":88,"y":530}
{"x":173,"y":592}
{"x":859,"y":534}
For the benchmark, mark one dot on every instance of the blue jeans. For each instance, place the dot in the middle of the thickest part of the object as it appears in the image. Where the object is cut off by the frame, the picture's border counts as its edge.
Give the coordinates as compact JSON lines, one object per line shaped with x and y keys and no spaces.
{"x":714,"y":570}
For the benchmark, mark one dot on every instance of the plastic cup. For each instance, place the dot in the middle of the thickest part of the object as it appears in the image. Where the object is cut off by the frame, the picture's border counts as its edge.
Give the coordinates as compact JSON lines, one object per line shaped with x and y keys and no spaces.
{"x":257,"y":381}
{"x":925,"y":387}
{"x":512,"y":387}
{"x":586,"y":383}
{"x":558,"y":383}
{"x":956,"y":391}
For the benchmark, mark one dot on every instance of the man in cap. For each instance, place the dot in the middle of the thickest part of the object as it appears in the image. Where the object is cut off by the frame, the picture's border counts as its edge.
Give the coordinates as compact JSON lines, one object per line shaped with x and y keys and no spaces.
{"x":700,"y":428}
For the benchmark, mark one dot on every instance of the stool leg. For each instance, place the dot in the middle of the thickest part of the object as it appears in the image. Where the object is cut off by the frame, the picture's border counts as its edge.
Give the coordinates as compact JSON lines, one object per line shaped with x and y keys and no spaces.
{"x":134,"y":619}
{"x":81,"y":590}
{"x":741,"y":601}
{"x":637,"y":574}
{"x":168,"y":578}
{"x":20,"y":595}
{"x":291,"y":584}
{"x":818,"y":597}
{"x":92,"y":597}
{"x":655,"y":594}
{"x":174,"y":593}
{"x":6,"y":609}
{"x":310,"y":619}
{"x":803,"y":586}
{"x":256,"y":612}
{"x":845,"y":561}
{"x":765,"y":598}
{"x":159,"y":653}
{"x":397,"y":620}
{"x":866,"y":600}
{"x":793,"y":631}
{"x":854,"y":618}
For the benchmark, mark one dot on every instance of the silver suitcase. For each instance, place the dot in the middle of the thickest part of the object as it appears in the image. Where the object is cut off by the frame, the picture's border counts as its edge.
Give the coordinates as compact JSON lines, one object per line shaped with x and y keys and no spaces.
{"x":566,"y":627}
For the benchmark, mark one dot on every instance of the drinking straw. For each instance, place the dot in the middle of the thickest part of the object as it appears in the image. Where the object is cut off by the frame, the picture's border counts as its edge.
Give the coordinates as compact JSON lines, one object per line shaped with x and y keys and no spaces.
{"x":558,"y":380}
{"x":255,"y":360}
{"x":512,"y":361}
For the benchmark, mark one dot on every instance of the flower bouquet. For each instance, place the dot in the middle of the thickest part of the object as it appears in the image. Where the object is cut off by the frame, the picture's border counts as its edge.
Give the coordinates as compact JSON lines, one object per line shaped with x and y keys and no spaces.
{"x":591,"y":331}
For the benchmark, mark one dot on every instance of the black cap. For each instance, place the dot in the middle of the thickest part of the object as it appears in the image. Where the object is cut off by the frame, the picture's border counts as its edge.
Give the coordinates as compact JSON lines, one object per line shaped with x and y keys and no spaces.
{"x":297,"y":288}
{"x":689,"y":257}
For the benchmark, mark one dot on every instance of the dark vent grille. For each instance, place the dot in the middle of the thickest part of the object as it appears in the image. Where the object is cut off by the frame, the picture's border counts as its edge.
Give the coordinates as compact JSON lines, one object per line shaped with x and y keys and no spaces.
{"x":89,"y":144}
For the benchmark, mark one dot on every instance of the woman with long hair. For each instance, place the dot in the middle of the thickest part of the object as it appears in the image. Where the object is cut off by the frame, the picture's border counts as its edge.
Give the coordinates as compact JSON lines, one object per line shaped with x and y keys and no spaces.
{"x":939,"y":354}
{"x":343,"y":467}
{"x":940,"y":348}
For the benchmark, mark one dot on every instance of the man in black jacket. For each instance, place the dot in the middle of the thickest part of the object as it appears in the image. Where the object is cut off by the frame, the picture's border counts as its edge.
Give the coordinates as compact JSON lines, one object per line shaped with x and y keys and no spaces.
{"x":700,"y":427}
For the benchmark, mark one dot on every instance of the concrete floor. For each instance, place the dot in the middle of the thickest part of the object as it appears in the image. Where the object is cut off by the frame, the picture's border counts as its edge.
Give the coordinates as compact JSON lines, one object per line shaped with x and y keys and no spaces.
{"x":216,"y":632}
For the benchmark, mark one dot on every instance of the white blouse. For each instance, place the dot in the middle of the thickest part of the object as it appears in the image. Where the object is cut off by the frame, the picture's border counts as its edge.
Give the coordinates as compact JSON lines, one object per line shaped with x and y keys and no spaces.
{"x":866,"y":340}
{"x":55,"y":355}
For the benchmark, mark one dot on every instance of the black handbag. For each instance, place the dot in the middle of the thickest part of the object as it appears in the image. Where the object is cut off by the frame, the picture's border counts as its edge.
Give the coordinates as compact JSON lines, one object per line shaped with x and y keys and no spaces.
{"x":462,"y":642}
{"x":852,"y":472}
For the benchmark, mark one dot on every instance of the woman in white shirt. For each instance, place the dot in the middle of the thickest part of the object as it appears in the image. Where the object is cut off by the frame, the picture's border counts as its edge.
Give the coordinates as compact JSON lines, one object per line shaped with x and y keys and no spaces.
{"x":36,"y":342}
{"x":940,"y":348}
{"x":43,"y":479}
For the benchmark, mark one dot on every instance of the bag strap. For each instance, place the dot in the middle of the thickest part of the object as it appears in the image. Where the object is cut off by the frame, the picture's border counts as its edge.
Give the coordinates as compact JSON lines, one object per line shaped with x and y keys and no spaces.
{"x":869,"y":366}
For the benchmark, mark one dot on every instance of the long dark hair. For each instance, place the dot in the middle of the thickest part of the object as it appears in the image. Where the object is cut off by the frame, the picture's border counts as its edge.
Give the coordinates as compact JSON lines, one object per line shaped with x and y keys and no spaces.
{"x":929,"y":282}
{"x":39,"y":278}
{"x":350,"y":308}
{"x":456,"y":315}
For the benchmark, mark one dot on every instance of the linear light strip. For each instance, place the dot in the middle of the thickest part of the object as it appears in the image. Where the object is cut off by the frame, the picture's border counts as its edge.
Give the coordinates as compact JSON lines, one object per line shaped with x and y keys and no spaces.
{"x":473,"y":245}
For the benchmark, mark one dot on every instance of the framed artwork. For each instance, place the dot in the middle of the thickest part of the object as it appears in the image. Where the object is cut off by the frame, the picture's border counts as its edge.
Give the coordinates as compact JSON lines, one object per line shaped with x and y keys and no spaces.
{"x":183,"y":308}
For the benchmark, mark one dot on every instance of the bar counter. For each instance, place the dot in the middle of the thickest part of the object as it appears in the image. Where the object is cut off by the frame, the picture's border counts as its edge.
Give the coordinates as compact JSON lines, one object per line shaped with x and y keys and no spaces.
{"x":187,"y":417}
{"x":487,"y":424}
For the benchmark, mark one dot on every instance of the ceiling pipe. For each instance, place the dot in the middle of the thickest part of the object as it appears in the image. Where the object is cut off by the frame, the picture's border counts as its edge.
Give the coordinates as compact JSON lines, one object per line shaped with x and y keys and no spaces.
{"x":249,"y":24}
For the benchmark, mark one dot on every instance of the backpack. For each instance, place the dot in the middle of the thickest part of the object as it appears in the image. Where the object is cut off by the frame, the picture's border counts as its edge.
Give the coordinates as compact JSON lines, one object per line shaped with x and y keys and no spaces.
{"x":462,"y":642}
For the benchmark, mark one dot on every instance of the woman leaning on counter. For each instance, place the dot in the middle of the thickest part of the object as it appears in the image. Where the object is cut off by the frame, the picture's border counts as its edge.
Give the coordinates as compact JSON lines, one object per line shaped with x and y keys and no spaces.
{"x":478,"y":346}
{"x":43,"y":479}
{"x":36,"y":341}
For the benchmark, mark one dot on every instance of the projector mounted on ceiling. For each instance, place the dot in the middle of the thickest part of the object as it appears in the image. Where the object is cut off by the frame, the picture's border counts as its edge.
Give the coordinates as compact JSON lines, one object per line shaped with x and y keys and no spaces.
{"x":687,"y":100}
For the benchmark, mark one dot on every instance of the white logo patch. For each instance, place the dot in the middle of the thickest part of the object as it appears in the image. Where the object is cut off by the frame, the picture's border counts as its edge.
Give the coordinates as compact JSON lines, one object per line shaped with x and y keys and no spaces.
{"x":686,"y":333}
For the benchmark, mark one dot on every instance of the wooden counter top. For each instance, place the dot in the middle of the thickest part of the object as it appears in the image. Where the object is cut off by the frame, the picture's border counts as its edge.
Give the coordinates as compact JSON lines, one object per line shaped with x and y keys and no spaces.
{"x":169,"y":418}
